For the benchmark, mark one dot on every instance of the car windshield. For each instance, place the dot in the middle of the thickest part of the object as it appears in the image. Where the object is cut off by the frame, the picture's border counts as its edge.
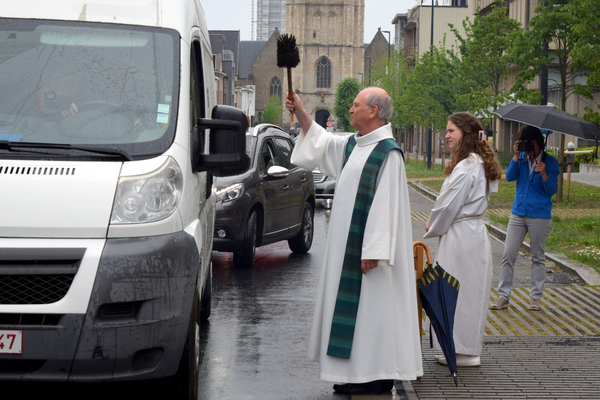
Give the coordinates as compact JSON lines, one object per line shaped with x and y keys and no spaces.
{"x":88,"y":84}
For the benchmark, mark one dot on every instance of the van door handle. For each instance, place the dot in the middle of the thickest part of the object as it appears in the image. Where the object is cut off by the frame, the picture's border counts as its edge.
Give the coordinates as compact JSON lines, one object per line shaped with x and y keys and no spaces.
{"x":303,"y":179}
{"x":286,"y":187}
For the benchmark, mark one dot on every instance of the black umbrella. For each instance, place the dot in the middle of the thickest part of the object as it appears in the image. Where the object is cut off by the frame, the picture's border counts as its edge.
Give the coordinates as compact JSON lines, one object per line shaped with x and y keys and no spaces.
{"x":551,"y":118}
{"x":439,"y":291}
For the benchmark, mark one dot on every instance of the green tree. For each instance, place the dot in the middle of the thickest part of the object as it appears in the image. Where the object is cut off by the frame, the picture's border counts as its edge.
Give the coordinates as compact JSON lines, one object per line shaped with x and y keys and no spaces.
{"x":392,"y":77}
{"x":484,"y":68}
{"x":554,"y":24}
{"x":428,"y":96}
{"x":586,"y":51}
{"x":344,"y":98}
{"x":272,"y":111}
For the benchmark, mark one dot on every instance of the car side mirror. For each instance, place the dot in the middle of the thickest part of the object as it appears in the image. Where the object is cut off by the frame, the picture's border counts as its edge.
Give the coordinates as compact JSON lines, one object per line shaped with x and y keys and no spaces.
{"x":227,"y":142}
{"x":277,"y":171}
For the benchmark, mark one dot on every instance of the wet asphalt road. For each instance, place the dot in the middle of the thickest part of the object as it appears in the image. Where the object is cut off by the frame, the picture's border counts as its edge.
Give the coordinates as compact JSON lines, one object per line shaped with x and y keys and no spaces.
{"x":254,"y":345}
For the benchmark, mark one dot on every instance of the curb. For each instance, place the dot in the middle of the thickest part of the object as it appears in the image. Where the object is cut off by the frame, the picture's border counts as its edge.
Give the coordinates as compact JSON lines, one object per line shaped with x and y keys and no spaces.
{"x":588,"y":274}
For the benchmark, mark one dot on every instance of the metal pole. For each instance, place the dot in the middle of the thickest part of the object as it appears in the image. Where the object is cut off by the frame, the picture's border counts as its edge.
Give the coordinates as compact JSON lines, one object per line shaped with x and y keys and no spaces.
{"x":430,"y":135}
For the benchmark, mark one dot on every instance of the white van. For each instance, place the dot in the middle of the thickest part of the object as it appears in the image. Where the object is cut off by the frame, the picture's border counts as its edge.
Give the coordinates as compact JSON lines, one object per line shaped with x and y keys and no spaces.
{"x":106,"y":198}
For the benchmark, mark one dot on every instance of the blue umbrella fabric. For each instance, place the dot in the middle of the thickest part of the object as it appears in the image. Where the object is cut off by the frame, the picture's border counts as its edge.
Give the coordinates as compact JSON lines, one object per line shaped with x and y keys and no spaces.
{"x":439,"y":292}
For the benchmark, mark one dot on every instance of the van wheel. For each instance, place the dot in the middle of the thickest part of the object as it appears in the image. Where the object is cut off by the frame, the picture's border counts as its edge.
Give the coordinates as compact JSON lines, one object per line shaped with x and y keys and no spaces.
{"x":244,"y":258}
{"x":302,"y":242}
{"x":184,"y":384}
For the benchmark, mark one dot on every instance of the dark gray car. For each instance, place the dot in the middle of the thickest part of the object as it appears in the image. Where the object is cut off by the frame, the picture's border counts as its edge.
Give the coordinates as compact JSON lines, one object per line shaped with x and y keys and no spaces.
{"x":274,"y":200}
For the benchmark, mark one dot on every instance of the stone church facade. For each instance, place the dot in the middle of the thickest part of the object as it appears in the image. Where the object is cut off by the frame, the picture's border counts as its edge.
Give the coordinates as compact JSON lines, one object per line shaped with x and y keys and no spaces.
{"x":330,"y":39}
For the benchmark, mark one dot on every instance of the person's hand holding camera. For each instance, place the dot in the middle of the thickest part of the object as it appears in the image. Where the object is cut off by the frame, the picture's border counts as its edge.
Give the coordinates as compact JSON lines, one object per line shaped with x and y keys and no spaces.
{"x":517,"y":151}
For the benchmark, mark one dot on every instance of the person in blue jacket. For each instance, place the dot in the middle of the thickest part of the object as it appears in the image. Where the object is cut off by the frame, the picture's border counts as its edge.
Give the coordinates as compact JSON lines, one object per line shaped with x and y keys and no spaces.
{"x":536,"y":173}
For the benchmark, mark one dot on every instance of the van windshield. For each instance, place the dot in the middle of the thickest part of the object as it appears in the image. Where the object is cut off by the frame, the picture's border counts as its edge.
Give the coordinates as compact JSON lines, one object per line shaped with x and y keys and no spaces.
{"x":88,"y":84}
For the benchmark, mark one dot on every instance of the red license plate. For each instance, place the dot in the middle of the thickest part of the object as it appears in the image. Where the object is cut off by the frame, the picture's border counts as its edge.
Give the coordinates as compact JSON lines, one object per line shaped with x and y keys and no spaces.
{"x":11,"y":341}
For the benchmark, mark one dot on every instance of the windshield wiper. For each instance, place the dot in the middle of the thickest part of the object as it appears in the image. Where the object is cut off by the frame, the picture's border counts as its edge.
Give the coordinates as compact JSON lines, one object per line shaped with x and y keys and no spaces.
{"x":5,"y":144}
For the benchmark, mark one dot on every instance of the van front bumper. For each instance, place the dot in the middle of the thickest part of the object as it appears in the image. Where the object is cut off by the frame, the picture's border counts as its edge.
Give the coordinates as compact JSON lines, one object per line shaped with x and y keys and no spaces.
{"x":135,"y":325}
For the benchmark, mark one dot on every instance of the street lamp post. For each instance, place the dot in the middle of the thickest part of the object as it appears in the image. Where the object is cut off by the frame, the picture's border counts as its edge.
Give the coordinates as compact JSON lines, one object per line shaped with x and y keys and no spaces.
{"x":430,"y":135}
{"x":389,"y":43}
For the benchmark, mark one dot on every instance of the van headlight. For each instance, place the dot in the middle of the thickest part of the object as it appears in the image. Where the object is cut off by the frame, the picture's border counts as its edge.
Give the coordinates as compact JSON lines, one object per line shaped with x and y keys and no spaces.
{"x":150,"y":197}
{"x":230,"y":193}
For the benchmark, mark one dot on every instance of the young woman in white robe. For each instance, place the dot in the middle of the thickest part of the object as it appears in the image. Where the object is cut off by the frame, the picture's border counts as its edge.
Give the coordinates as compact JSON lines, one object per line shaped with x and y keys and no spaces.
{"x":464,"y":249}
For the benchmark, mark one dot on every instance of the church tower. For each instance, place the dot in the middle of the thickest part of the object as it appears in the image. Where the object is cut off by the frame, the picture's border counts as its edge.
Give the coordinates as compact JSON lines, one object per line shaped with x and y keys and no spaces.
{"x":330,"y":39}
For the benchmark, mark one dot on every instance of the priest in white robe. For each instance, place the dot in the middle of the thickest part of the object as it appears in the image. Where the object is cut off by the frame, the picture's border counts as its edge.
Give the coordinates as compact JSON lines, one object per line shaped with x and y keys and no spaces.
{"x":464,"y":249}
{"x":387,"y":342}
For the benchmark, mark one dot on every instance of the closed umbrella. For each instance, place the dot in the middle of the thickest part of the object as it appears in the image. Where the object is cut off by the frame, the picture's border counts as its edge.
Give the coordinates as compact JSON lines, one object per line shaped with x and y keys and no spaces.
{"x":438,"y":291}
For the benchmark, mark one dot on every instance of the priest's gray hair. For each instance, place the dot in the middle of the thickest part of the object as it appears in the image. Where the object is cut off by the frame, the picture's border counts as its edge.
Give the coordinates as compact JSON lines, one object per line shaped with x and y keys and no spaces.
{"x":383,"y":101}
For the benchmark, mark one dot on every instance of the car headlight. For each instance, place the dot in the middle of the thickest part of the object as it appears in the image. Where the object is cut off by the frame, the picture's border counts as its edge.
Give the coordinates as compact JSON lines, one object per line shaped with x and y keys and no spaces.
{"x":150,"y":197}
{"x":230,"y":193}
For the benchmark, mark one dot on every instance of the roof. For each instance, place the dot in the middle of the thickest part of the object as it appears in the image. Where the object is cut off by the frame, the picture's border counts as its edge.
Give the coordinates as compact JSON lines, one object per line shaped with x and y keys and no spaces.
{"x":249,"y":49}
{"x":178,"y":15}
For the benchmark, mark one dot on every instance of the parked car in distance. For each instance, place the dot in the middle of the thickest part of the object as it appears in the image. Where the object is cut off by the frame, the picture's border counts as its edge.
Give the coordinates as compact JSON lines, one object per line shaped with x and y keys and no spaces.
{"x":273,"y":200}
{"x":324,"y":185}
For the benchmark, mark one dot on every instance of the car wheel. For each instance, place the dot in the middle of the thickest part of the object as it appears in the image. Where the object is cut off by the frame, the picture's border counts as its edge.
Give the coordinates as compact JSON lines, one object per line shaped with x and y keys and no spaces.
{"x":244,"y":257}
{"x":303,"y":240}
{"x":184,"y":384}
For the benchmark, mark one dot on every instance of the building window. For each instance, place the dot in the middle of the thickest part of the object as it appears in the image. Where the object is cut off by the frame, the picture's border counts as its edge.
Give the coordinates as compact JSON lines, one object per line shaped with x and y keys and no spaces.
{"x":323,"y":73}
{"x":275,"y":87}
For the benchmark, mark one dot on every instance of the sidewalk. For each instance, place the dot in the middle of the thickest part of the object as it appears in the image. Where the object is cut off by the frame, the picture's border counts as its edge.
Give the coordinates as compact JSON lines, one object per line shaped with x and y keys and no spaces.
{"x":552,"y":354}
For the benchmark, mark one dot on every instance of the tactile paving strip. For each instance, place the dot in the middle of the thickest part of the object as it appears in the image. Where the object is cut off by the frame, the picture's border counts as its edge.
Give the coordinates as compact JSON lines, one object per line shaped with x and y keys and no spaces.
{"x":566,"y":311}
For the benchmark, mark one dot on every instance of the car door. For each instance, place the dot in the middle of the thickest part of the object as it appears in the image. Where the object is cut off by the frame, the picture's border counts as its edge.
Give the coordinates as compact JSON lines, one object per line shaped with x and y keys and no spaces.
{"x":296,"y":182}
{"x":275,"y":192}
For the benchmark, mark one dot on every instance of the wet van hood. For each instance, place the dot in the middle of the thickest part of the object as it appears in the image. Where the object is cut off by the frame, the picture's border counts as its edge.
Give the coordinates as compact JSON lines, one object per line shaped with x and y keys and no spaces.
{"x":40,"y":199}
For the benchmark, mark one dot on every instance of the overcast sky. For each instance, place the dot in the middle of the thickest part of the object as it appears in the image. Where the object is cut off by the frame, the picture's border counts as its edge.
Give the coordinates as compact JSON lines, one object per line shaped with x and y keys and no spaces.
{"x":236,"y":15}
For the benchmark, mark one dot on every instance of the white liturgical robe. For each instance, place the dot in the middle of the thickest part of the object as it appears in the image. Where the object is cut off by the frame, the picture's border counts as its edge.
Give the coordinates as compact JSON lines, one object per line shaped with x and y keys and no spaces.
{"x":464,"y":249}
{"x":387,"y":342}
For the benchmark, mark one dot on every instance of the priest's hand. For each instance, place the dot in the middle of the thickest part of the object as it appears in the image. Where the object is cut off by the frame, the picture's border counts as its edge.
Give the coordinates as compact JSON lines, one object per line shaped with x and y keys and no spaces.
{"x":366,"y":265}
{"x":295,"y":106}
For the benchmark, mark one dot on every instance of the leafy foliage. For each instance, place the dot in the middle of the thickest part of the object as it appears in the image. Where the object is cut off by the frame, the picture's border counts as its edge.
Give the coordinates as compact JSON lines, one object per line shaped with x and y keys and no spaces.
{"x":344,"y":98}
{"x":392,"y":76}
{"x":272,"y":111}
{"x":429,"y":94}
{"x":554,"y":23}
{"x":485,"y":54}
{"x":586,"y":50}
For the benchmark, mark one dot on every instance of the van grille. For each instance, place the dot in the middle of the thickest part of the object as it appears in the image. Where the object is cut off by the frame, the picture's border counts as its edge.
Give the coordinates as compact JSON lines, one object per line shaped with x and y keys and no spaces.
{"x":30,"y":170}
{"x":34,"y":289}
{"x":37,"y":275}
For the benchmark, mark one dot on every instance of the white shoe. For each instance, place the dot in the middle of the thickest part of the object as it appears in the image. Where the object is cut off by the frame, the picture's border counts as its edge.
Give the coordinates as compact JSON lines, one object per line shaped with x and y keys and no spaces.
{"x":463,"y":360}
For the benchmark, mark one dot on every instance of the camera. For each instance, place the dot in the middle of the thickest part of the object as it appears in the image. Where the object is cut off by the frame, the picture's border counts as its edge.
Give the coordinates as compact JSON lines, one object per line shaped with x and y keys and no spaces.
{"x":525,"y":145}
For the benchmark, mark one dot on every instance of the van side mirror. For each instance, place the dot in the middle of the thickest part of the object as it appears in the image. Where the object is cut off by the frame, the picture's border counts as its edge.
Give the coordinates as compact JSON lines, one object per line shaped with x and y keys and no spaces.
{"x":227,"y":142}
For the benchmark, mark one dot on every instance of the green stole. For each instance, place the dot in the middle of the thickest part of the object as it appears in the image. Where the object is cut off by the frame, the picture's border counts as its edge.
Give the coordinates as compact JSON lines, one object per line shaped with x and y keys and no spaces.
{"x":346,"y":305}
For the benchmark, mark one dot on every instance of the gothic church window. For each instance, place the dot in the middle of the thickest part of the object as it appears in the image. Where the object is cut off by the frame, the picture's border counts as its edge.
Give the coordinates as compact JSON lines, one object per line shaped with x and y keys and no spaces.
{"x":323,"y":73}
{"x":275,"y":87}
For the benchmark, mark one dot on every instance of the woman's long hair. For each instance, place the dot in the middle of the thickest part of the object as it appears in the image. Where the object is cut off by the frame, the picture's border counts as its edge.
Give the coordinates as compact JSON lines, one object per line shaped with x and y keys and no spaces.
{"x":472,"y":143}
